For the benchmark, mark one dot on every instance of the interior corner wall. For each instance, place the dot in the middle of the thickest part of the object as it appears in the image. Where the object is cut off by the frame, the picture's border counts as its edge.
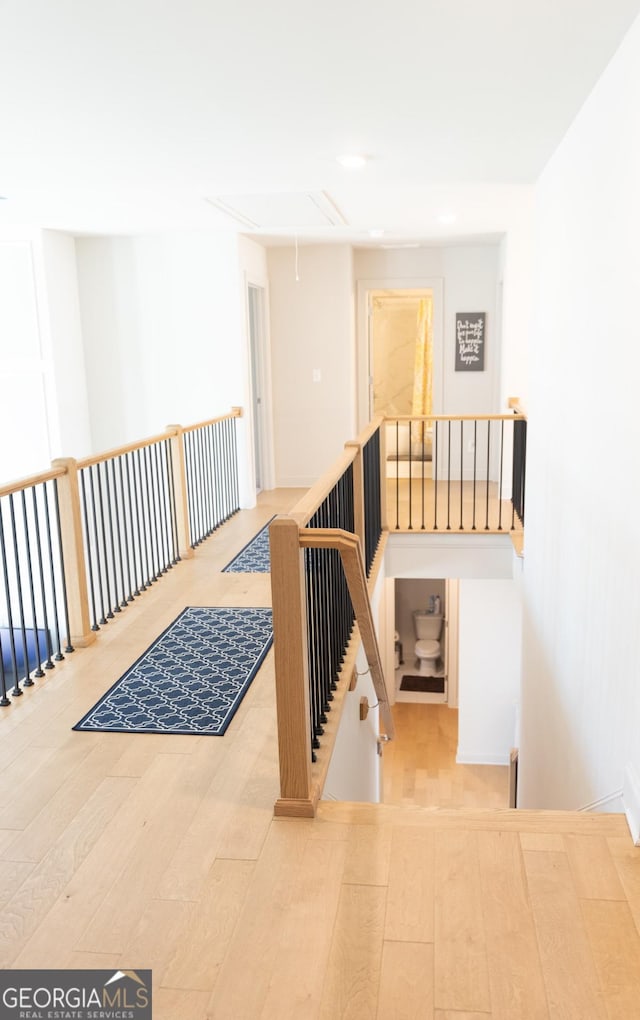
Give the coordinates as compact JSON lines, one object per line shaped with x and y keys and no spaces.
{"x":163,"y":331}
{"x":312,"y":344}
{"x":581,"y":643}
{"x":489,"y":665}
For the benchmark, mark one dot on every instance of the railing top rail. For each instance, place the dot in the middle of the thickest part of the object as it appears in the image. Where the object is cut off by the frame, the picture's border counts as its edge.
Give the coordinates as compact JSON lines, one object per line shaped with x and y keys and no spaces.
{"x":27,"y":483}
{"x":455,"y":417}
{"x":305,"y":508}
{"x":367,"y":432}
{"x":350,"y":550}
{"x":235,"y":412}
{"x":99,"y":458}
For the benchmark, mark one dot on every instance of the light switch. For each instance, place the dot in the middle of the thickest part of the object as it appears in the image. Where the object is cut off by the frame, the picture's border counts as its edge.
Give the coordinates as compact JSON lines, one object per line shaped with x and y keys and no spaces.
{"x":317,"y":375}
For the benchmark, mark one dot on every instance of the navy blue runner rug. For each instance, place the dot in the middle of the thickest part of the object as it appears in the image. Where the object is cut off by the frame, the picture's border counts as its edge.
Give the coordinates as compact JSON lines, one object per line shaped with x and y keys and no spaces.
{"x":254,"y":557}
{"x":191,"y":679}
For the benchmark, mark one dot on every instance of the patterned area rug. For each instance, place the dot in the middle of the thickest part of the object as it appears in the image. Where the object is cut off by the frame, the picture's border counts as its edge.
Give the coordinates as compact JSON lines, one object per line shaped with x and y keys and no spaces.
{"x":191,"y":679}
{"x":254,"y":558}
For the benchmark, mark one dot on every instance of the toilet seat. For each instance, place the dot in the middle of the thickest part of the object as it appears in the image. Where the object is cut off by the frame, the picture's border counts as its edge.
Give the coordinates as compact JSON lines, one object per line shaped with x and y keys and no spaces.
{"x":427,"y":649}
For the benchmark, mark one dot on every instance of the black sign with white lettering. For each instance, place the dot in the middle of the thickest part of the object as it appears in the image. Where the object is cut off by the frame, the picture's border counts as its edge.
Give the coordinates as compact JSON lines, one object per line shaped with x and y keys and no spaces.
{"x":470,"y":334}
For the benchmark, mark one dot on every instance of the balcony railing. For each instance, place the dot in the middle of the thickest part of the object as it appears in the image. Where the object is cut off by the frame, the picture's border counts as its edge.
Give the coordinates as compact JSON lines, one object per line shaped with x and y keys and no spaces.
{"x":80,"y":542}
{"x":443,"y":475}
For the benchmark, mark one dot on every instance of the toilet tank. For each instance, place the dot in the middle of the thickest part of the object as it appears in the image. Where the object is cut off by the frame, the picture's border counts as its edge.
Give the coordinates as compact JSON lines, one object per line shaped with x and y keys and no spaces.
{"x":427,"y":625}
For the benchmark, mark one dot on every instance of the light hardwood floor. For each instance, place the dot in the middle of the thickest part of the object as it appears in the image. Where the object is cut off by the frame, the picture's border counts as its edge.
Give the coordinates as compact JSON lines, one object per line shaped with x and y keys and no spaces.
{"x":162,"y":852}
{"x":419,"y":766}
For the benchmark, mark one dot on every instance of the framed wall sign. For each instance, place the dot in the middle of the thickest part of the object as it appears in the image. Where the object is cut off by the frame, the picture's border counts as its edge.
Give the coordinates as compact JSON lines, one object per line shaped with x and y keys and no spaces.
{"x":470,"y":336}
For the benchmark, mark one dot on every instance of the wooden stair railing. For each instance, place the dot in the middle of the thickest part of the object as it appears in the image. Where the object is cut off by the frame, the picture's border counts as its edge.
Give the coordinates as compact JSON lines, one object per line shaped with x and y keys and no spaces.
{"x":301,"y":781}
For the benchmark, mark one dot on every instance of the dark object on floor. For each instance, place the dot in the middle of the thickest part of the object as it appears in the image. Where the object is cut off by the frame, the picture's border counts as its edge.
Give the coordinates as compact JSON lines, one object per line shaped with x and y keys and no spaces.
{"x":254,"y":557}
{"x":423,"y":684}
{"x":192,"y":678}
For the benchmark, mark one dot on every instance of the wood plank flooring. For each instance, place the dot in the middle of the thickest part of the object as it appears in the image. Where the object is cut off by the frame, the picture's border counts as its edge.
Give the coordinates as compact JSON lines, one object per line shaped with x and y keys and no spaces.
{"x":122,"y":851}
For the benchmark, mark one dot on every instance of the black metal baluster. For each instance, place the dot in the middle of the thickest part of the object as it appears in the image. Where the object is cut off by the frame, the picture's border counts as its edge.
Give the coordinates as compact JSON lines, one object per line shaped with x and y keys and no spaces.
{"x":423,"y":428}
{"x":16,"y":692}
{"x":189,"y":473}
{"x":151,"y":510}
{"x":212,"y":478}
{"x":198,"y":461}
{"x":163,"y":551}
{"x":138,"y":491}
{"x":63,"y":577}
{"x":58,"y":656}
{"x":234,"y":451}
{"x":4,"y":700}
{"x":43,"y":594}
{"x":397,"y":475}
{"x":98,"y":568}
{"x":173,"y":511}
{"x":164,"y":495}
{"x":132,"y":492}
{"x":121,"y":529}
{"x":225,"y":472}
{"x":112,"y":545}
{"x":475,"y":461}
{"x":461,"y":469}
{"x":410,"y":481}
{"x":38,"y":672}
{"x":486,"y":527}
{"x":435,"y":477}
{"x":500,"y":488}
{"x":87,"y":535}
{"x":27,"y":681}
{"x":449,"y":476}
{"x":103,"y":532}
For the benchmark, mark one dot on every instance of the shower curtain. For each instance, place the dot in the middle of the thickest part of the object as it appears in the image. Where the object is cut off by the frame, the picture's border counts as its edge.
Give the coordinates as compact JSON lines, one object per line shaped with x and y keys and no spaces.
{"x":422,"y":402}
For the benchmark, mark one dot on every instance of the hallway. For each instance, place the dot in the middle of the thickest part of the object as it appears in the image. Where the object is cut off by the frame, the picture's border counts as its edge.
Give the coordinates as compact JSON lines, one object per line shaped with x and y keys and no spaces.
{"x":419,"y":766}
{"x":162,"y":852}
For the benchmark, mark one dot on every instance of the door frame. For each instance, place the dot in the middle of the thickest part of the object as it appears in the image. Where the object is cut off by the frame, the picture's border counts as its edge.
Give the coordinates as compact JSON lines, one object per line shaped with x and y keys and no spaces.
{"x":260,"y":422}
{"x":363,"y":340}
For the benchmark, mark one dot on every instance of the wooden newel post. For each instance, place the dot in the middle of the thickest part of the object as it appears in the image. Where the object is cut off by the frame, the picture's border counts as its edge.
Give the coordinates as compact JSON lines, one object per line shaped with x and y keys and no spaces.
{"x":75,"y":569}
{"x":180,"y":489}
{"x":358,"y":493}
{"x":291,"y":667}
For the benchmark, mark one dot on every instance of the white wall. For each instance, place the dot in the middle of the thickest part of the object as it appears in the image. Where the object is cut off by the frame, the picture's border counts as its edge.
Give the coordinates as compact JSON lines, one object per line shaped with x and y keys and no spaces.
{"x":43,"y":408}
{"x":581,"y":696}
{"x":311,"y":329}
{"x":355,"y":769}
{"x":163,"y":331}
{"x":165,"y":334}
{"x":490,"y":638}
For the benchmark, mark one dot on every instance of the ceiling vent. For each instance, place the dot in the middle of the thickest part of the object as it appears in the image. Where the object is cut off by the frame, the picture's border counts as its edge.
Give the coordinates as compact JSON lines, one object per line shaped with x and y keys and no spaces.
{"x":300,"y":210}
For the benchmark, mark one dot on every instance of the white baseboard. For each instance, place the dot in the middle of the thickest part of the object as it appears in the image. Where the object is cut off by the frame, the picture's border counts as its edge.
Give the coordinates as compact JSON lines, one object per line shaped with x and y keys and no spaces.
{"x":631,"y":800}
{"x":613,"y":804}
{"x":481,"y":758}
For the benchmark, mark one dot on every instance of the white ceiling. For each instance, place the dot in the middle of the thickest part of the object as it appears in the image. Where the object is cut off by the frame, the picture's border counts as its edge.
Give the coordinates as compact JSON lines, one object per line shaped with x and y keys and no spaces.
{"x":122,"y":116}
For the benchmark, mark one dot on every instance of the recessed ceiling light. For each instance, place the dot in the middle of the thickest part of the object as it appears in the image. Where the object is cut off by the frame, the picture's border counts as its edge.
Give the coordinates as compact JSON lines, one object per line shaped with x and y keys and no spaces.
{"x":376,"y":232}
{"x":447,"y":217}
{"x":352,"y":161}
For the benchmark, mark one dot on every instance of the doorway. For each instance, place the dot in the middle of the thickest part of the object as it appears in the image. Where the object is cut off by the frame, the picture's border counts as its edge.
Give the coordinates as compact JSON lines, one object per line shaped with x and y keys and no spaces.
{"x":256,"y":312}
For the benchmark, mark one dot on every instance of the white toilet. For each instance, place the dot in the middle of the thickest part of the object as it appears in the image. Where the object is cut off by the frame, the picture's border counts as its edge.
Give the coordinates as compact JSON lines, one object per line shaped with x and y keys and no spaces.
{"x":428,"y":627}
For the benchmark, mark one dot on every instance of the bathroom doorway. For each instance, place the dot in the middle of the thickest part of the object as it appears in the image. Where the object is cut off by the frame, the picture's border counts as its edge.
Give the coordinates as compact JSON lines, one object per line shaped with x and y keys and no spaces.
{"x":426,"y":641}
{"x":392,"y":325}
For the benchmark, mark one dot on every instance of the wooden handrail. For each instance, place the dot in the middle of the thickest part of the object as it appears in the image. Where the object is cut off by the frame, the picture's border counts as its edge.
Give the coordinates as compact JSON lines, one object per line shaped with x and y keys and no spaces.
{"x":348,"y":545}
{"x":9,"y":488}
{"x":454,"y":417}
{"x":120,"y":451}
{"x":235,"y":412}
{"x":368,"y":431}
